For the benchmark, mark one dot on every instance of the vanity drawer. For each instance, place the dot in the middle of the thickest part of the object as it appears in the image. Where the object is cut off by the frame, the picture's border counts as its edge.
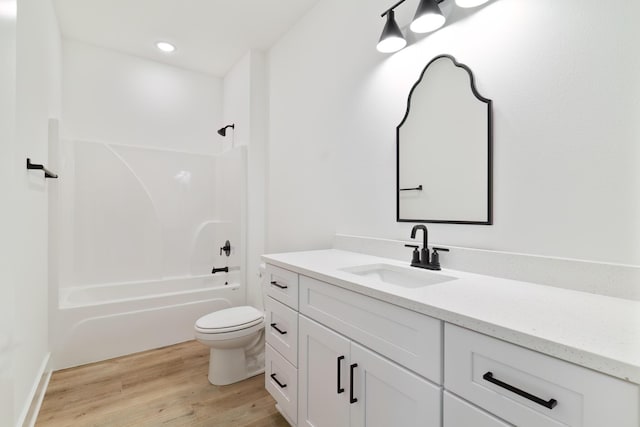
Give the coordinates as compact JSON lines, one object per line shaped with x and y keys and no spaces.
{"x":458,"y":413}
{"x":528,"y":388}
{"x":410,"y":339}
{"x":282,"y":329}
{"x":282,"y":285}
{"x":281,"y":381}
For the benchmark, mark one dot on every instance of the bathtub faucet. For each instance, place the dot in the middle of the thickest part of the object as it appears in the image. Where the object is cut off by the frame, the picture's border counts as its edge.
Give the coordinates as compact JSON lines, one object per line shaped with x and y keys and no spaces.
{"x":217,"y":270}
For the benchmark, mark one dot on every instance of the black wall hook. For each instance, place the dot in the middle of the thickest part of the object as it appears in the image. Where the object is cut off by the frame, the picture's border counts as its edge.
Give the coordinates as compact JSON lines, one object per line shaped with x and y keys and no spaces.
{"x":35,"y":166}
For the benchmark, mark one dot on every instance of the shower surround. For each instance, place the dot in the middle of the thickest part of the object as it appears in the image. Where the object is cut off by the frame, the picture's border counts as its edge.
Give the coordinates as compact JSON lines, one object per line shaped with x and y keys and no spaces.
{"x":138,"y":232}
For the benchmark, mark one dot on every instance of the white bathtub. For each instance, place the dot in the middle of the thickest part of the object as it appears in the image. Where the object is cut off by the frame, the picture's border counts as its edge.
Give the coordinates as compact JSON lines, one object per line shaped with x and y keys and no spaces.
{"x":104,"y":321}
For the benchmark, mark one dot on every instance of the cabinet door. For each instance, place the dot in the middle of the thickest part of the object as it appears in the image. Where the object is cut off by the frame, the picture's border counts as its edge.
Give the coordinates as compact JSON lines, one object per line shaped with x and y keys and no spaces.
{"x":323,"y":374}
{"x":389,"y":395}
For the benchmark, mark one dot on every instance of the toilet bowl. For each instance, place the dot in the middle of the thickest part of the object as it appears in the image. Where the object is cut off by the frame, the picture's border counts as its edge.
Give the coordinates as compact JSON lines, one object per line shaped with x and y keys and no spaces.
{"x":235,"y":337}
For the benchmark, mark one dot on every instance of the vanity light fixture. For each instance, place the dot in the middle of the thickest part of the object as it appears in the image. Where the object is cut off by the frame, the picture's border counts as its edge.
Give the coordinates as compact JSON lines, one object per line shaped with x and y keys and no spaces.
{"x":166,"y":47}
{"x":391,"y":39}
{"x":428,"y":18}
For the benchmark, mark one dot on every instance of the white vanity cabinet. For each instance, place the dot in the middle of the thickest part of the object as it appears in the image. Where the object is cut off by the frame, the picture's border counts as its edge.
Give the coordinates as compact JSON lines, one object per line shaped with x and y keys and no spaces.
{"x":282,"y":285}
{"x":458,"y":413}
{"x":339,"y":358}
{"x":281,"y":335}
{"x":410,"y":339}
{"x":342,"y":383}
{"x":530,"y":389}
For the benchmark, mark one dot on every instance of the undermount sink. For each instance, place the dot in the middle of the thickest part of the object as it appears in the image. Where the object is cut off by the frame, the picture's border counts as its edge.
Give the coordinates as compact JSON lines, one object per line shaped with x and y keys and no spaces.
{"x":406,"y":277}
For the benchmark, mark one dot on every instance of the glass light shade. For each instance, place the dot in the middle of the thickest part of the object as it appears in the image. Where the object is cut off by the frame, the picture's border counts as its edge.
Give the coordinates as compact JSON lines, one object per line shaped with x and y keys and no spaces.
{"x":470,"y":3}
{"x":391,"y":39}
{"x":428,"y":17}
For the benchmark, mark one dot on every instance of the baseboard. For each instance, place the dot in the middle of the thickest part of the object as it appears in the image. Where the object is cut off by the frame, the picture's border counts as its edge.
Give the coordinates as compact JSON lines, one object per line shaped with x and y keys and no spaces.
{"x":31,"y":410}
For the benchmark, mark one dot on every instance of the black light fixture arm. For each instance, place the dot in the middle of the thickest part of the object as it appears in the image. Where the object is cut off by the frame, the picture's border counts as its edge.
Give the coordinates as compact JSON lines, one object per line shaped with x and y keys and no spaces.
{"x":35,"y":166}
{"x":391,"y":8}
{"x":398,"y":4}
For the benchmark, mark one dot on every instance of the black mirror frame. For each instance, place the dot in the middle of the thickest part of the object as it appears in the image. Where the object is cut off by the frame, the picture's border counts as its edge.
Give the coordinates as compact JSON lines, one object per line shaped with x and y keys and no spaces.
{"x":489,"y":148}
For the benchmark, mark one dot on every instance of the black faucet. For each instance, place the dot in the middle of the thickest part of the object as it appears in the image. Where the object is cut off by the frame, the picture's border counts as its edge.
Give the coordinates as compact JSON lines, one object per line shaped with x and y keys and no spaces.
{"x":217,"y":270}
{"x":424,"y":253}
{"x":421,"y":259}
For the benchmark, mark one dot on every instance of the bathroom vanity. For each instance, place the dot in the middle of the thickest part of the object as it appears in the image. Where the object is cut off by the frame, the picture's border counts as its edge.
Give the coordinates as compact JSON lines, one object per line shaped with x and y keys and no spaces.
{"x":359,"y":340}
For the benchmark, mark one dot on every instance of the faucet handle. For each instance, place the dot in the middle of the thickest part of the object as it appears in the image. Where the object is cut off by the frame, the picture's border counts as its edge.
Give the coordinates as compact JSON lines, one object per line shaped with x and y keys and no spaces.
{"x":226,"y":248}
{"x":416,"y":255}
{"x":435,"y":258}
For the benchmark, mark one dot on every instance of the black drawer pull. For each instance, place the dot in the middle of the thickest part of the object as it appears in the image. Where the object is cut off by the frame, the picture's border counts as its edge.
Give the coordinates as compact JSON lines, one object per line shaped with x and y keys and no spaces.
{"x":351,"y":369}
{"x":273,"y":377}
{"x":551,"y":403}
{"x":340,"y":389}
{"x":274,"y":283}
{"x":273,"y":325}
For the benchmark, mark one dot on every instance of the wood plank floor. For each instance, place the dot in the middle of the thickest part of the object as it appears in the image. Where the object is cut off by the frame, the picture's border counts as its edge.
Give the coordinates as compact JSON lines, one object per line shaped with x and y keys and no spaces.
{"x":164,"y":387}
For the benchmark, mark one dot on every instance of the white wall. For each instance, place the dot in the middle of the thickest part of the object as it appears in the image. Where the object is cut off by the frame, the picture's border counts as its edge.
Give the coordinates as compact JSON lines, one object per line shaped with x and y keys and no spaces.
{"x":563,"y":80}
{"x":30,"y":72}
{"x":7,"y":213}
{"x":245,"y":106}
{"x":118,"y":98}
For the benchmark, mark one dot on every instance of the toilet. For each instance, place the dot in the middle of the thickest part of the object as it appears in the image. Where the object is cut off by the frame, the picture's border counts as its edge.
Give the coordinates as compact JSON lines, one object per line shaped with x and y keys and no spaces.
{"x":236,"y":339}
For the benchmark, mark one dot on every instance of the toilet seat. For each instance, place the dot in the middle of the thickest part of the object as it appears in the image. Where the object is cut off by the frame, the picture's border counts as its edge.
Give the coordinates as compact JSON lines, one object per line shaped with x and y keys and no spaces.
{"x":230,"y":320}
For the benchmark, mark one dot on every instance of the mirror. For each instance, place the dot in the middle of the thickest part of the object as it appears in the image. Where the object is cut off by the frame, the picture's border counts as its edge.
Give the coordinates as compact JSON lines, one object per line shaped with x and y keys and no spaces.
{"x":444,"y":149}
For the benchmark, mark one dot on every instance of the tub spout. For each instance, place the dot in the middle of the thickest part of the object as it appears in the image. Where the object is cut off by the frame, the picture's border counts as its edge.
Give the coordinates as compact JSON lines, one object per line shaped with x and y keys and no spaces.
{"x":217,"y":270}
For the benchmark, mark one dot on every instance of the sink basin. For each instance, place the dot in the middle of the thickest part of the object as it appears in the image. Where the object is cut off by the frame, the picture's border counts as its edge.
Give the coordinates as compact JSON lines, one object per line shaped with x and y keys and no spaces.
{"x":406,"y":277}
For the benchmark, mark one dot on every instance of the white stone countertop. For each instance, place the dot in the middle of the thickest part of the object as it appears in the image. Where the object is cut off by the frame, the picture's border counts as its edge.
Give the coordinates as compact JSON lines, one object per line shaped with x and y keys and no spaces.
{"x":598,"y":332}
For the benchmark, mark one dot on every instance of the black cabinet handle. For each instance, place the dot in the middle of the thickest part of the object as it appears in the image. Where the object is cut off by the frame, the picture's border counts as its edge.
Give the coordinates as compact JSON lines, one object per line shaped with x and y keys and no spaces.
{"x":351,"y":369}
{"x":340,"y":359}
{"x":274,"y":283}
{"x":551,"y":403}
{"x":273,"y":377}
{"x":273,"y":325}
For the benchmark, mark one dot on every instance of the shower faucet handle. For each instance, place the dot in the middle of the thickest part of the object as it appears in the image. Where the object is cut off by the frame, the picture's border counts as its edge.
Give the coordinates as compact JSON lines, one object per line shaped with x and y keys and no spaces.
{"x":226,"y":248}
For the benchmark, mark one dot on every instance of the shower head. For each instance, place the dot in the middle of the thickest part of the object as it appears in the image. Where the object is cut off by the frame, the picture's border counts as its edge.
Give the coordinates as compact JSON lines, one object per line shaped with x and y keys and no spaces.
{"x":223,"y":131}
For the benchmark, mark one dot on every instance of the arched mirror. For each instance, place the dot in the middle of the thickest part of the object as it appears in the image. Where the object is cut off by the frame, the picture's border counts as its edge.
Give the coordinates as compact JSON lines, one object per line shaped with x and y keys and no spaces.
{"x":444,"y":149}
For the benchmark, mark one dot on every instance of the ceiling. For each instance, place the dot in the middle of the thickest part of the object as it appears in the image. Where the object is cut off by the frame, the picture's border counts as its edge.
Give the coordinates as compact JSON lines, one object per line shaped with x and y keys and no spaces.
{"x":210,"y":35}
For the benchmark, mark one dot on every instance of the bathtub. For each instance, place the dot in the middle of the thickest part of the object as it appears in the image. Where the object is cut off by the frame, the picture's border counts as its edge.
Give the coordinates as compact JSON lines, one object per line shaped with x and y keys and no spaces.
{"x":99,"y":322}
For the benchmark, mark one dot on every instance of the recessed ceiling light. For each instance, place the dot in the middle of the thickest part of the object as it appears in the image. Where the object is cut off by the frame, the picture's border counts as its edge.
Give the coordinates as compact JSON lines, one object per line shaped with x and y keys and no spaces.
{"x":165,"y":47}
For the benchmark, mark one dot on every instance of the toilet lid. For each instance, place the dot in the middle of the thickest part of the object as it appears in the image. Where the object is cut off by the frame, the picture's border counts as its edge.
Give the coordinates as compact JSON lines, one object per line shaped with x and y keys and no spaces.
{"x":230,"y":319}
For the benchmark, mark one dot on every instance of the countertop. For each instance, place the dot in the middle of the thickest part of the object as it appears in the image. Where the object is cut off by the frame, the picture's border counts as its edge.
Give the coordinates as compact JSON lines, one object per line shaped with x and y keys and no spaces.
{"x":598,"y":332}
